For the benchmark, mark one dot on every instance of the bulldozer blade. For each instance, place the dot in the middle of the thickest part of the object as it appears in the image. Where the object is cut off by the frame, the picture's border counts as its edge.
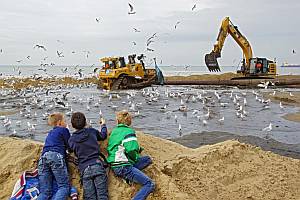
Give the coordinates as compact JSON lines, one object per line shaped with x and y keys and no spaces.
{"x":212,"y":63}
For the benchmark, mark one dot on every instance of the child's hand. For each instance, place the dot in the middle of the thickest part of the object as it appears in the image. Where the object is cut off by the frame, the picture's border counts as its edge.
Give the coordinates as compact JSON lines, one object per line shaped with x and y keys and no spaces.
{"x":102,"y":121}
{"x":141,"y":149}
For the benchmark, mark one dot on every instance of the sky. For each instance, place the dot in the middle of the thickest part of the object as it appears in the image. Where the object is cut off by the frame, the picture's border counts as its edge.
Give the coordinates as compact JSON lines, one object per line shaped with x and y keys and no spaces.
{"x":271,"y":26}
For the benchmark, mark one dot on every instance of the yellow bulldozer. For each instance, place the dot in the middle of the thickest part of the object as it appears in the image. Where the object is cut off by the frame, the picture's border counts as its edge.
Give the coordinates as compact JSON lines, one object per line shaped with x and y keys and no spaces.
{"x":252,"y":67}
{"x":116,"y":74}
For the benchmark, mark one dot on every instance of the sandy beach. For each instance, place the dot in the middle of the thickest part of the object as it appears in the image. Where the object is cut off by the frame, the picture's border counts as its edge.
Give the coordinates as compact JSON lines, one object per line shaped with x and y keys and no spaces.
{"x":227,"y":170}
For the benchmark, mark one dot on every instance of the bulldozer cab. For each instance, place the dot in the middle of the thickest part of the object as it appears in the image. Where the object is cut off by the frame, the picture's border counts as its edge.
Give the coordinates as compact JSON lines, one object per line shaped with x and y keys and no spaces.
{"x":113,"y":63}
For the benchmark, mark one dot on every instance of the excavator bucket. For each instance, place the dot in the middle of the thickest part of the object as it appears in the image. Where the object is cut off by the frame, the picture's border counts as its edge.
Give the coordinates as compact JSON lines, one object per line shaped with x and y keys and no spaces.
{"x":211,"y":62}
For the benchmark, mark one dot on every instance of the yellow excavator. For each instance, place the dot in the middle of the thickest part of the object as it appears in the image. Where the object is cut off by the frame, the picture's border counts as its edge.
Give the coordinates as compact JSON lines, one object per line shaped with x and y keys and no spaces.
{"x":116,"y":74}
{"x":251,"y":67}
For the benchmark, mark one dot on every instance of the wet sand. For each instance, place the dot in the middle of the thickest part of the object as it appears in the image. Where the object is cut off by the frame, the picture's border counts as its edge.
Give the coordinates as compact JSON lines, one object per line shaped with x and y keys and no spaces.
{"x":196,"y":140}
{"x":286,"y":99}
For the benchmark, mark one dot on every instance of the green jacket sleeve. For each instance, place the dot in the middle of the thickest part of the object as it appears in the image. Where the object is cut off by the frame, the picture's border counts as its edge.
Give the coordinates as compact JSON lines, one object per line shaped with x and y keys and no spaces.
{"x":132,"y":147}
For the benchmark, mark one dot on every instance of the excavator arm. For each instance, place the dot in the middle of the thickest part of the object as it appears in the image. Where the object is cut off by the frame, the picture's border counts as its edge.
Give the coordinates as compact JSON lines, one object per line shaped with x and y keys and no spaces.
{"x":227,"y":28}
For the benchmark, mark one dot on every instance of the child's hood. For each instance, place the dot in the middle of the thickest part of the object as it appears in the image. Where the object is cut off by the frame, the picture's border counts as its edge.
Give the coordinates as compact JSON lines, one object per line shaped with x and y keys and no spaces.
{"x":81,"y":135}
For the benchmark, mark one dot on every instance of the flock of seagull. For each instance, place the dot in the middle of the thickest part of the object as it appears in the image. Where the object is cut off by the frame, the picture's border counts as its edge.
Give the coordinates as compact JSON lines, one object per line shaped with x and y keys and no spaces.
{"x":60,"y":54}
{"x":33,"y":104}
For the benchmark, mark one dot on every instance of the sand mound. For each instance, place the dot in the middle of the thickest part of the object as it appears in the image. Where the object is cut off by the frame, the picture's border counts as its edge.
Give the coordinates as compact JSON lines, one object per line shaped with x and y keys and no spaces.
{"x":228,"y":170}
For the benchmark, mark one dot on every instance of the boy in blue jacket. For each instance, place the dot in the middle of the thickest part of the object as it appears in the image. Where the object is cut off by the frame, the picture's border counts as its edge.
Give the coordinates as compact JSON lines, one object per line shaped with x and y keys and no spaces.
{"x":52,"y":163}
{"x":84,"y":143}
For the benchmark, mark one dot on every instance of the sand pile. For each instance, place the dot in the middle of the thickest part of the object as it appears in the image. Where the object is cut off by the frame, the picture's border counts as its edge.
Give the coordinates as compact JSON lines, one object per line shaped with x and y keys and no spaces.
{"x":228,"y":170}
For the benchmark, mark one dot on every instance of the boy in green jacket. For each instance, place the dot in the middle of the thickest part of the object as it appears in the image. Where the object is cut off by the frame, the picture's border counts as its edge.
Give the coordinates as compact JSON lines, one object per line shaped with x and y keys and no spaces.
{"x":124,"y":156}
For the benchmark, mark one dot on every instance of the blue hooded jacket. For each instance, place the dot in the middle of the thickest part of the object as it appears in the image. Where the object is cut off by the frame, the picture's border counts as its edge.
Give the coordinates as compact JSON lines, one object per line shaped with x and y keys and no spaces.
{"x":85,"y":145}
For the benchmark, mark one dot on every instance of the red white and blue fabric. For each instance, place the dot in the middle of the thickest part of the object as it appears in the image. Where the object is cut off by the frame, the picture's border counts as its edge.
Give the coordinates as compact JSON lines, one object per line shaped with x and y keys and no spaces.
{"x":27,"y":187}
{"x":20,"y":189}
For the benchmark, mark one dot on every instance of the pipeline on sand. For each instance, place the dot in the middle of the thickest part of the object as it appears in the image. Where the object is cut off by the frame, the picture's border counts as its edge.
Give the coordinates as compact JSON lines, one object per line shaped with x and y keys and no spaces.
{"x":244,"y":82}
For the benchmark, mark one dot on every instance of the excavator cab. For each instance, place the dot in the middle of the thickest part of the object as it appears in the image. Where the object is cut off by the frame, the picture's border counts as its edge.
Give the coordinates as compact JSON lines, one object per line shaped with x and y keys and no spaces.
{"x":262,"y":66}
{"x":212,"y":62}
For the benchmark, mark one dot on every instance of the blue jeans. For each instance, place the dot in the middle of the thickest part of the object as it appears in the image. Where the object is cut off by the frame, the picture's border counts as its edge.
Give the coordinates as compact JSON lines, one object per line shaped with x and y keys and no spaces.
{"x":94,"y":181}
{"x":53,"y":165}
{"x":134,"y":174}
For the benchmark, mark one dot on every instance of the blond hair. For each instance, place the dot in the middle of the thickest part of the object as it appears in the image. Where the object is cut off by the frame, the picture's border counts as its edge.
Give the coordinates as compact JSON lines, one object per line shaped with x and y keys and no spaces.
{"x":54,"y":118}
{"x":124,"y":117}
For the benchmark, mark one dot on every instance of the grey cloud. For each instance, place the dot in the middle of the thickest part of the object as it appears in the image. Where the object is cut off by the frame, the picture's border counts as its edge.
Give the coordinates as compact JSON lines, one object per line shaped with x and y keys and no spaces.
{"x":270,"y":25}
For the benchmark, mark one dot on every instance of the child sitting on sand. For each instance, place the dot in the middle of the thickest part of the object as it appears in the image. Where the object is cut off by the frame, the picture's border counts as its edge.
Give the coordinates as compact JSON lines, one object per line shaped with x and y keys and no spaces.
{"x":52,"y":163}
{"x":84,"y":143}
{"x":124,"y":156}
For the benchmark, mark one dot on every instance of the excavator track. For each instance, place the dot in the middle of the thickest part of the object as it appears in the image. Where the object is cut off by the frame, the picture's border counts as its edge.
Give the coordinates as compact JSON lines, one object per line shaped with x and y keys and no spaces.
{"x":142,"y":84}
{"x":116,"y":85}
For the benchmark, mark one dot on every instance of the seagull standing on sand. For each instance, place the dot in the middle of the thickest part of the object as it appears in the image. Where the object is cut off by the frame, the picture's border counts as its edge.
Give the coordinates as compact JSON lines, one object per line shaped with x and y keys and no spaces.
{"x":291,"y":94}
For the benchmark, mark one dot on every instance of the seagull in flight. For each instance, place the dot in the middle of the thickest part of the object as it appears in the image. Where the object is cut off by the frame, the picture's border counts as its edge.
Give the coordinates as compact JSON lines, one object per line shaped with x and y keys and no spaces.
{"x":87,"y":53}
{"x":294,"y":52}
{"x":134,"y":43}
{"x":96,"y":69}
{"x":60,"y":54}
{"x":177,"y":24}
{"x":18,"y":61}
{"x":28,"y":57}
{"x":152,"y":37}
{"x":131,"y":12}
{"x":1,"y":50}
{"x":40,"y":47}
{"x":149,"y":42}
{"x":98,"y":19}
{"x":136,"y":30}
{"x":148,"y":49}
{"x":194,"y":7}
